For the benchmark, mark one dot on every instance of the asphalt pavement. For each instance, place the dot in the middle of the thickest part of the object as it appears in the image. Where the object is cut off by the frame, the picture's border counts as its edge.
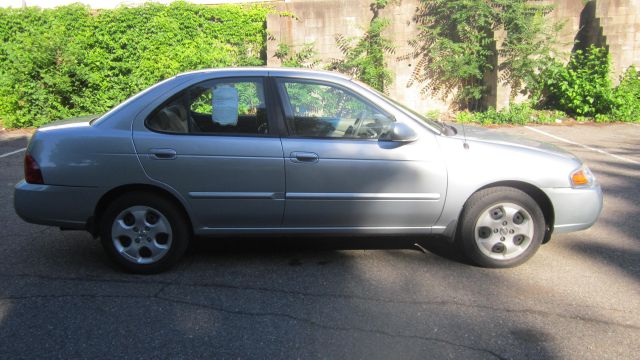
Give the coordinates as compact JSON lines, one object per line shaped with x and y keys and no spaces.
{"x":578,"y":298}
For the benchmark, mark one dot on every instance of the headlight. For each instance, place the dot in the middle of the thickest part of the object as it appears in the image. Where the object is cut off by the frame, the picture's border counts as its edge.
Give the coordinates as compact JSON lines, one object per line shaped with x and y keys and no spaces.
{"x":582,"y":178}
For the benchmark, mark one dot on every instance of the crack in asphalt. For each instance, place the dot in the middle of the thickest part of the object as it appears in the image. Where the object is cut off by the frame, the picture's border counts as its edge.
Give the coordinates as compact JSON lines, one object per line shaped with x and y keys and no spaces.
{"x":332,"y":327}
{"x":165,"y":284}
{"x":158,"y":296}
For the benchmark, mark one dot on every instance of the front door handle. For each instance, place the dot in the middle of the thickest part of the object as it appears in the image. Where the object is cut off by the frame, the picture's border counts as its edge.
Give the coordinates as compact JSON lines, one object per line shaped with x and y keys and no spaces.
{"x":163,"y":154}
{"x":303,"y":156}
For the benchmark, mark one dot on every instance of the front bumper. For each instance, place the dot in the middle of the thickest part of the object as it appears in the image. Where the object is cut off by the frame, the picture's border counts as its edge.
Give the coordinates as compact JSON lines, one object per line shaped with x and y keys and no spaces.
{"x":575,"y":209}
{"x":64,"y":206}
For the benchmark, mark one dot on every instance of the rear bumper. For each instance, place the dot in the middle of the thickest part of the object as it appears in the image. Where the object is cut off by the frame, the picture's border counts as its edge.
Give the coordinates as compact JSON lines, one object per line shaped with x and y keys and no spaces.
{"x":64,"y":206}
{"x":575,"y":209}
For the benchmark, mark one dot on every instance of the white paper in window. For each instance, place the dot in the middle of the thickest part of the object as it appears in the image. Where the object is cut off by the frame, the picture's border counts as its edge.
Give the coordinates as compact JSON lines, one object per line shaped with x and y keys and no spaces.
{"x":225,"y":105}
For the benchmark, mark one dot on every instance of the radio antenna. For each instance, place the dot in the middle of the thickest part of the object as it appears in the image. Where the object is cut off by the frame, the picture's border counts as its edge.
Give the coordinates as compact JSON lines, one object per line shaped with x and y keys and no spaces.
{"x":464,"y":136}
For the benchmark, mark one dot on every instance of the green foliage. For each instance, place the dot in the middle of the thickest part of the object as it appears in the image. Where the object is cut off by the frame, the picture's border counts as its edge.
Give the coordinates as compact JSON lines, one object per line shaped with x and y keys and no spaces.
{"x":548,"y":116}
{"x":70,"y":61}
{"x":626,"y":98}
{"x":530,"y":44}
{"x":519,"y":114}
{"x":364,"y":57}
{"x":323,"y":100}
{"x":433,"y":115}
{"x":248,"y":99}
{"x":465,"y":117}
{"x":305,"y":58}
{"x":582,"y":87}
{"x":455,"y":47}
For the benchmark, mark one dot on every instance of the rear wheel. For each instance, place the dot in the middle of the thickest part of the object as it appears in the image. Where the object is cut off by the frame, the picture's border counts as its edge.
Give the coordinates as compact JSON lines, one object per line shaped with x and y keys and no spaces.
{"x":501,"y":227}
{"x":144,"y":233}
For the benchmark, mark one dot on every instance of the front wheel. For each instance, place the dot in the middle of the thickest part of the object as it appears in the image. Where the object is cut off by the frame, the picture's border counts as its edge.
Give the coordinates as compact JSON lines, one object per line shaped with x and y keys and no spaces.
{"x":501,"y":227}
{"x":144,"y":233}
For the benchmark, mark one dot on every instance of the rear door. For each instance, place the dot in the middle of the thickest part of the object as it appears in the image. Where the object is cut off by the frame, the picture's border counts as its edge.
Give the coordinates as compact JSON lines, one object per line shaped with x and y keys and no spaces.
{"x":214,"y":143}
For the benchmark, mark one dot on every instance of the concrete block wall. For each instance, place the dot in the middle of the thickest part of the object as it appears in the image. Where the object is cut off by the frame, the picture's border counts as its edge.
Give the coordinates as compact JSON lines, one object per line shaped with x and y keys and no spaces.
{"x":319,"y":21}
{"x":620,"y":23}
{"x":612,"y":23}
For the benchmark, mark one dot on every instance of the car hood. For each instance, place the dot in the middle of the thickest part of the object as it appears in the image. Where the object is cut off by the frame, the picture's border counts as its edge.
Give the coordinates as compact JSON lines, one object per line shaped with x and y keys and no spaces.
{"x":476,"y":133}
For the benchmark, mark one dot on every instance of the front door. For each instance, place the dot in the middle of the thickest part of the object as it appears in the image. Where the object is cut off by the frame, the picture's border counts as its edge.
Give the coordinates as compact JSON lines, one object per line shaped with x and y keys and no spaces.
{"x":340,"y":176}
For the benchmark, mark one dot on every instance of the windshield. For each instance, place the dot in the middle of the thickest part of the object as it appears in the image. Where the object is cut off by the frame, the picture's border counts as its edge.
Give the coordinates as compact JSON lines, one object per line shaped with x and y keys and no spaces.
{"x":405,"y":109}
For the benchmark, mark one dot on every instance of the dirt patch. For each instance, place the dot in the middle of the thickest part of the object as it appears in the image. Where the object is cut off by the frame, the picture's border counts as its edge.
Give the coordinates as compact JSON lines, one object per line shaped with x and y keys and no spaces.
{"x":9,"y":134}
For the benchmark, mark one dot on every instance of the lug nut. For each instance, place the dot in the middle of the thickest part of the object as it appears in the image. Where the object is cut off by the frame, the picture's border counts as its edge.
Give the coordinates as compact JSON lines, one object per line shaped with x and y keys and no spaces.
{"x":512,"y":231}
{"x":518,"y":240}
{"x":484,"y":232}
{"x":502,"y":238}
{"x":504,"y":223}
{"x":498,"y":248}
{"x":496,"y":230}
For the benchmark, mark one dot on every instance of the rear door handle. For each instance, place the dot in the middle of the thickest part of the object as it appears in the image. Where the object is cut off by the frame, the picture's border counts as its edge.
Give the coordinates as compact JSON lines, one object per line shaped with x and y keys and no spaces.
{"x":303,"y":156}
{"x":163,"y":154}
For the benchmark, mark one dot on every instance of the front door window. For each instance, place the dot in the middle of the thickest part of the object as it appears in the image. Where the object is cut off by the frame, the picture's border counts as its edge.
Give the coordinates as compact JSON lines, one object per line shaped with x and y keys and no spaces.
{"x":321,"y":110}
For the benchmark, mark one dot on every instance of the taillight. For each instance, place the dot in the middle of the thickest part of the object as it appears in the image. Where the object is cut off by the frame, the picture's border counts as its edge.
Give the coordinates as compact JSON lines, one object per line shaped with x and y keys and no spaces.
{"x":32,"y":173}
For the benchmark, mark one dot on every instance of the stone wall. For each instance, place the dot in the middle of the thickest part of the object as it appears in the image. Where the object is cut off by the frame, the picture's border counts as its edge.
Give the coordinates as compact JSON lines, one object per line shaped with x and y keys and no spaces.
{"x":620,"y":25}
{"x":319,"y":21}
{"x":612,"y":23}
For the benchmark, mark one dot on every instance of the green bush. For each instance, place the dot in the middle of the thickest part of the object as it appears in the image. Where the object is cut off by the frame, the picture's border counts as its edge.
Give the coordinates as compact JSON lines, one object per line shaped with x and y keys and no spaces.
{"x":519,"y":114}
{"x":71,"y":61}
{"x":627,"y":98}
{"x":582,"y":87}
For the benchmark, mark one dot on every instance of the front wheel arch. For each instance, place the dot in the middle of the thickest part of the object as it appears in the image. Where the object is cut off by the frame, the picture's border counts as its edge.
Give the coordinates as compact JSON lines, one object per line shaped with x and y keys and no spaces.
{"x":538,"y":195}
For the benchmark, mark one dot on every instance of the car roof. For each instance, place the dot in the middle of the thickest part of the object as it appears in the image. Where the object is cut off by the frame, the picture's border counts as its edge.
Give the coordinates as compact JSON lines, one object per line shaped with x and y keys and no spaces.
{"x":268,"y":71}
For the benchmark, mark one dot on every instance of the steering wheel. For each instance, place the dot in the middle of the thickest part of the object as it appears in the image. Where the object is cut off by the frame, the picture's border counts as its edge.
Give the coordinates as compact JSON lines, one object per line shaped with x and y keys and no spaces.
{"x":370,"y":131}
{"x":358,"y":124}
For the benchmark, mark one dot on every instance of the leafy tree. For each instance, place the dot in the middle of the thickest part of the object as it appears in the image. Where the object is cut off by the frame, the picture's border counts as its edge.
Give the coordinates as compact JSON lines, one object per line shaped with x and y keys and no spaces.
{"x":364,"y":57}
{"x":456,"y":46}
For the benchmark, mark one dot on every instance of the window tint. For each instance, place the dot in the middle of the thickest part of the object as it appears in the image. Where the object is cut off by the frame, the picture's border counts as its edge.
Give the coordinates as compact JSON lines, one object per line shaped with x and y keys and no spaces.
{"x":216,"y":107}
{"x":321,"y":110}
{"x":171,"y":117}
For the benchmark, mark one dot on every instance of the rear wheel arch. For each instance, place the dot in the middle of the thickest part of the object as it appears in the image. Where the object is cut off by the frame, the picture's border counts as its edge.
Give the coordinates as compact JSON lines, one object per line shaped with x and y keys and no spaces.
{"x":93,"y":224}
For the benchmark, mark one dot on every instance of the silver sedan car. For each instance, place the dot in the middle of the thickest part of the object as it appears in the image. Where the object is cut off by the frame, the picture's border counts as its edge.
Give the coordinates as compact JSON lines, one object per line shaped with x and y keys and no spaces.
{"x":290,"y":151}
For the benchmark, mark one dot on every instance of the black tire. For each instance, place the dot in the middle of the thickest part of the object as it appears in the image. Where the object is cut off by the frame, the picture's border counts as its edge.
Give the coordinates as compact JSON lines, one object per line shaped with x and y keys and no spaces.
{"x":483,"y":201}
{"x":180,"y":232}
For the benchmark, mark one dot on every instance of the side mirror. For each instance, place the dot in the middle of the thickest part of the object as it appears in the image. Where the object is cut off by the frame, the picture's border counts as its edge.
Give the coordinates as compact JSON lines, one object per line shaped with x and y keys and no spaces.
{"x":399,"y":132}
